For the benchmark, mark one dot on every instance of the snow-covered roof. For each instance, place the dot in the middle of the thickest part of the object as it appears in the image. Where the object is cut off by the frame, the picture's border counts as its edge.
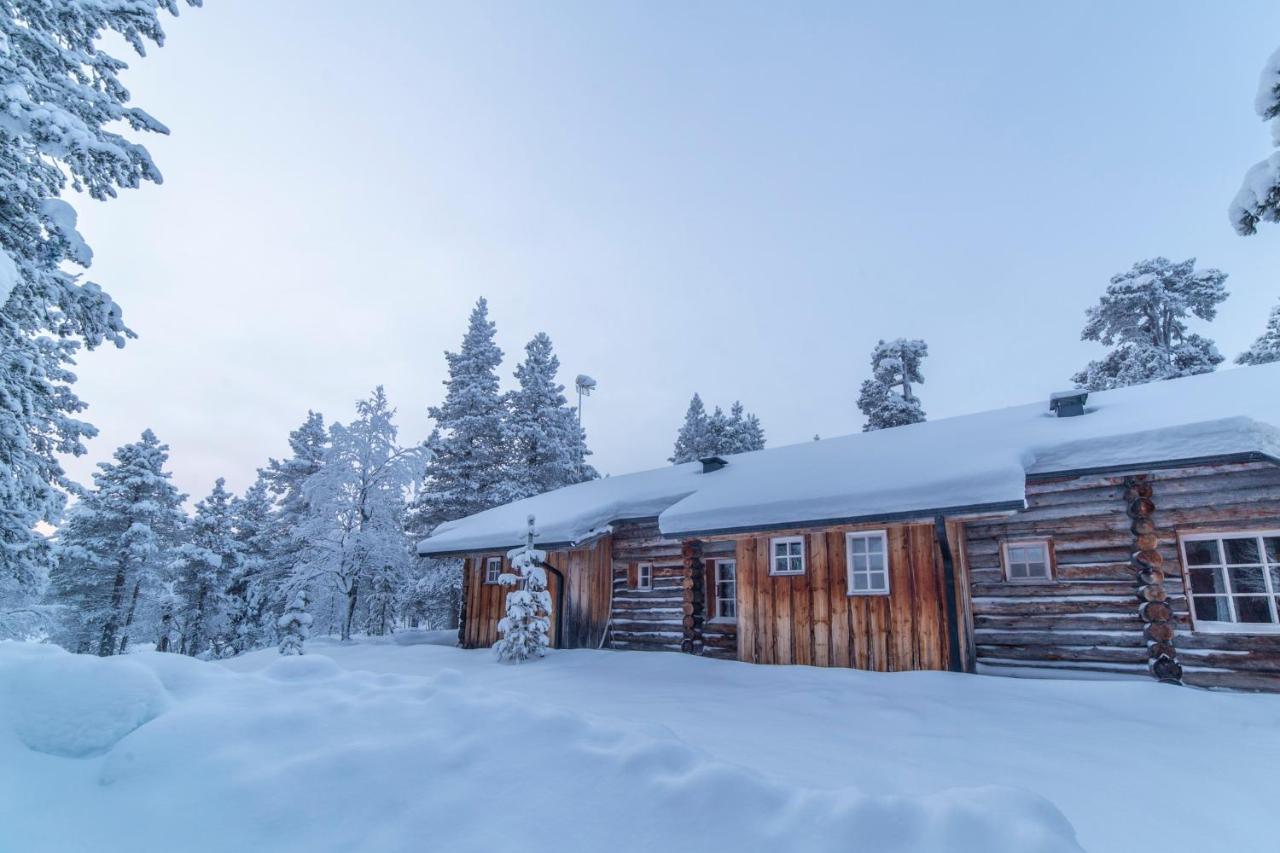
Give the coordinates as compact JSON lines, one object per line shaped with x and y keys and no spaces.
{"x":971,"y":462}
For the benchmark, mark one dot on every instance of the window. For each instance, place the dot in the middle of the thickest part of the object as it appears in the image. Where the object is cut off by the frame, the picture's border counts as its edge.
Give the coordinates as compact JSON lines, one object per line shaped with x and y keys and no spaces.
{"x":788,"y":555}
{"x":726,"y":589}
{"x":492,"y":569}
{"x":1027,"y":560}
{"x":867,"y":562}
{"x":1234,"y":580}
{"x":644,"y":576}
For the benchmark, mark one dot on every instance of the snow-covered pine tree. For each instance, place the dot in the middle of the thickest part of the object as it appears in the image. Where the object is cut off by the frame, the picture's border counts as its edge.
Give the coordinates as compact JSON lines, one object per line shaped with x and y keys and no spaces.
{"x":716,"y":434}
{"x":354,"y":533}
{"x":693,"y":441}
{"x":469,"y":467}
{"x":203,"y":566}
{"x":547,"y":444}
{"x":63,"y":106}
{"x":745,"y":432}
{"x":1266,"y":348}
{"x":294,"y":624}
{"x":526,"y":625}
{"x":886,"y":399}
{"x":253,"y":582}
{"x":114,"y":549}
{"x":285,"y":479}
{"x":1259,"y":197}
{"x":1143,"y":316}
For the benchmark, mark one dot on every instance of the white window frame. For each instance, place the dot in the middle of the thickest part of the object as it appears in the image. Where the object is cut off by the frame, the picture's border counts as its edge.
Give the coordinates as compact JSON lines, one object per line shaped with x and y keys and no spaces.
{"x":774,"y":542}
{"x":849,"y":571}
{"x":490,"y":576}
{"x":644,"y":577}
{"x":1044,"y":542}
{"x":715,"y":590}
{"x":1272,"y":590}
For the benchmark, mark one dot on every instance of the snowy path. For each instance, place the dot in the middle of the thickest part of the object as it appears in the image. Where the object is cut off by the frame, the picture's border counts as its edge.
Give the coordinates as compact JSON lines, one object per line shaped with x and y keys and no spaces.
{"x":393,"y":747}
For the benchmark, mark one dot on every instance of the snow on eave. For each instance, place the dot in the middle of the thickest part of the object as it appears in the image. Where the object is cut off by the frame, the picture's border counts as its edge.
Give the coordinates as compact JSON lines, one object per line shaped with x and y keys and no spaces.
{"x":970,"y":462}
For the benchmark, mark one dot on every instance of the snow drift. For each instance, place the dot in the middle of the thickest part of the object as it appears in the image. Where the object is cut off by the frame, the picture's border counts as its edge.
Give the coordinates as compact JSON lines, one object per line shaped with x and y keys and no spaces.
{"x":305,"y":755}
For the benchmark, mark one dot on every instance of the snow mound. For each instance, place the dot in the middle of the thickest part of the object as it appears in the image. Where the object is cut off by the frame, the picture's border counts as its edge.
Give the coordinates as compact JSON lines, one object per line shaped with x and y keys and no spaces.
{"x":76,"y":706}
{"x":303,"y":755}
{"x":302,"y":668}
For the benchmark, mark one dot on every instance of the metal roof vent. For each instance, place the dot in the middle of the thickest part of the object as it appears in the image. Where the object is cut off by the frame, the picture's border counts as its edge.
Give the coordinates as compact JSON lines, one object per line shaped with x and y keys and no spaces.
{"x":712,"y":463}
{"x":1068,"y":404}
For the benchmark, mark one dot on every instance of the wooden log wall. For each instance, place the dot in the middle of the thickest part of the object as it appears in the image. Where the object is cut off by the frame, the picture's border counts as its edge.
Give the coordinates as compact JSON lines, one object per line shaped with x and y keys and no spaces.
{"x":1087,"y":618}
{"x":585,"y":603}
{"x":1147,"y":563}
{"x":650,"y":620}
{"x":811,"y":619}
{"x":1219,"y":498}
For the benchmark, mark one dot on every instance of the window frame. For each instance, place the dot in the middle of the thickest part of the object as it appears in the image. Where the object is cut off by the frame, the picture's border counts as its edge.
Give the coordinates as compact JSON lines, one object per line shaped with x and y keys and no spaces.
{"x":774,"y":541}
{"x":718,"y":615}
{"x":1050,"y":564}
{"x":1210,"y":626}
{"x":849,"y":536}
{"x":489,"y":562}
{"x":644,"y":577}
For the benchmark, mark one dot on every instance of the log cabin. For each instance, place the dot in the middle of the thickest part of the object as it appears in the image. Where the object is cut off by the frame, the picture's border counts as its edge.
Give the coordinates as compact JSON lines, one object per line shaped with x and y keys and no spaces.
{"x":1131,"y":533}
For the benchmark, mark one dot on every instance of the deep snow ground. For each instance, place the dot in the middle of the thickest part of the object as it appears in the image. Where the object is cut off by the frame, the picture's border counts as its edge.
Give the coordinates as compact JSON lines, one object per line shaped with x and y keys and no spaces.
{"x":404,"y":745}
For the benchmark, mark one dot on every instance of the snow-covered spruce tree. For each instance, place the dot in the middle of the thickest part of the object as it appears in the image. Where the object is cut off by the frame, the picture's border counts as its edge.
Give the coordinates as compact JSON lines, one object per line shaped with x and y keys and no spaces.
{"x":252,"y":583}
{"x":525,"y":627}
{"x":886,"y":399}
{"x":59,"y":94}
{"x":1259,"y":197}
{"x":203,"y":566}
{"x":548,"y":446}
{"x":702,"y":435}
{"x":354,"y":532}
{"x":1266,"y":348}
{"x":285,"y":480}
{"x":745,"y":432}
{"x":294,"y":624}
{"x":1143,"y":316}
{"x":694,"y":440}
{"x":469,"y":470}
{"x":115,"y":547}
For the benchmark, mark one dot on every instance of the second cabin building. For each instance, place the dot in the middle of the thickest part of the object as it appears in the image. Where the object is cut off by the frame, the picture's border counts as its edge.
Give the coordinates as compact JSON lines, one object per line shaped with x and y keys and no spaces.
{"x":1133,"y":532}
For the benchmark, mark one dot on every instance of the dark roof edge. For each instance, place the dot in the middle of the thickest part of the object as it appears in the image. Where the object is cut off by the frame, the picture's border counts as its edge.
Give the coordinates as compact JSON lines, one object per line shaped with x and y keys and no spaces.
{"x":966,"y":509}
{"x":542,"y":546}
{"x":1160,"y":465}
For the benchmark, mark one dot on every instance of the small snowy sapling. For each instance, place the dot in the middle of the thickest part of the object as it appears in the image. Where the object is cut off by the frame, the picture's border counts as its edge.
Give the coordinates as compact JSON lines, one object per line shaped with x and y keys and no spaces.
{"x":525,"y":627}
{"x":295,"y":624}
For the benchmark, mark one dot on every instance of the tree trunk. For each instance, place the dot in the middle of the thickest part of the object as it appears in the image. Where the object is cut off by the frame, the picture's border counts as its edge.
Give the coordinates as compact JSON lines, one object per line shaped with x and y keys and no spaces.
{"x":107,"y":646}
{"x":128,"y":619}
{"x":191,"y":642}
{"x":166,"y":626}
{"x":352,"y":592}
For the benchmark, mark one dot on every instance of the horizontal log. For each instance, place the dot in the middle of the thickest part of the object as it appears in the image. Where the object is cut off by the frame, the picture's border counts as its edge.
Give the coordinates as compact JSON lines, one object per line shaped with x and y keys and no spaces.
{"x":1233,"y":680}
{"x":1248,"y":662}
{"x":1222,"y":642}
{"x":641,"y":646}
{"x":1056,"y":590}
{"x":1083,"y":622}
{"x":1052,"y":654}
{"x":644,"y":625}
{"x":991,"y":637}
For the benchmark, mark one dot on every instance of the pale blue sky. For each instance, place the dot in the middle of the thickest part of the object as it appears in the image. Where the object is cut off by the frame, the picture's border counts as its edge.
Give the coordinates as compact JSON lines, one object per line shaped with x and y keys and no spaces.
{"x":732,"y":198}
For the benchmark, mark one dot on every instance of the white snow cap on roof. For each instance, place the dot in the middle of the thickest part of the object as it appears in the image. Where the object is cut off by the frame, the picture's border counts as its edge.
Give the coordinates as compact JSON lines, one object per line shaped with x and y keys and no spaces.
{"x":971,"y":461}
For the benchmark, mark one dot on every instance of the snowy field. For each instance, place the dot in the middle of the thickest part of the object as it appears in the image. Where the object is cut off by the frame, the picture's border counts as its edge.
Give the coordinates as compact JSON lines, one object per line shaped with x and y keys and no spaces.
{"x":411,"y":745}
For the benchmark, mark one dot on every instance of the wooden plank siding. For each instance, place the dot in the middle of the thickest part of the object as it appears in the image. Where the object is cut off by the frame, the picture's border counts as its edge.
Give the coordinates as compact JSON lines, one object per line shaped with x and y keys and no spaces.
{"x":811,"y":619}
{"x":585,"y":602}
{"x":1086,"y":618}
